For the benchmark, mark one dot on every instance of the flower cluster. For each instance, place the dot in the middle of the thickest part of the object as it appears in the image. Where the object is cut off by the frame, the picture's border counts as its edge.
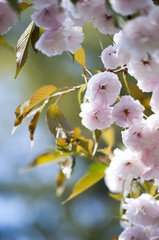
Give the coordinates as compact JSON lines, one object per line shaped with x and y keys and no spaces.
{"x":63,"y":23}
{"x":135,"y":50}
{"x":8,"y":17}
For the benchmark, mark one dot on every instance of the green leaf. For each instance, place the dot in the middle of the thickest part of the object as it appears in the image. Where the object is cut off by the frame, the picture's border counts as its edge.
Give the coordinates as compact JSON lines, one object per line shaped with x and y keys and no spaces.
{"x":116,"y":196}
{"x":32,"y":126}
{"x":96,"y":135}
{"x":156,"y":2}
{"x":56,"y":120}
{"x":97,"y":167}
{"x":23,"y":6}
{"x":46,"y":158}
{"x":85,"y":183}
{"x":22,"y":48}
{"x":74,"y":1}
{"x":40,"y":95}
{"x":3,"y":43}
{"x":35,"y":37}
{"x":81,"y":90}
{"x":115,"y":238}
{"x":60,"y":183}
{"x":14,"y":5}
{"x":80,"y":57}
{"x":108,"y":136}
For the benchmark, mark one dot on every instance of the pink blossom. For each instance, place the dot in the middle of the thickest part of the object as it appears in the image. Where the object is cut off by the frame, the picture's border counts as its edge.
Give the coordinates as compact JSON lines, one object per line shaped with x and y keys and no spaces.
{"x":126,"y":111}
{"x":8,"y":17}
{"x":126,"y":164}
{"x":140,"y":36}
{"x":55,"y":41}
{"x":143,"y":210}
{"x":138,"y":137}
{"x":52,"y":42}
{"x":81,"y":12}
{"x":96,"y":116}
{"x":103,"y":88}
{"x":104,"y":20}
{"x":115,"y":183}
{"x":127,"y":7}
{"x":121,"y":53}
{"x":110,"y":58}
{"x":74,"y":36}
{"x":134,"y":233}
{"x":146,"y":71}
{"x":49,"y":17}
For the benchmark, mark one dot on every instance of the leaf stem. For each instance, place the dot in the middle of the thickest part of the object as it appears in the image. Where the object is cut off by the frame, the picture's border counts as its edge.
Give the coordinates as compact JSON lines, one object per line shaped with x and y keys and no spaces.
{"x":68,"y":89}
{"x":125,"y":81}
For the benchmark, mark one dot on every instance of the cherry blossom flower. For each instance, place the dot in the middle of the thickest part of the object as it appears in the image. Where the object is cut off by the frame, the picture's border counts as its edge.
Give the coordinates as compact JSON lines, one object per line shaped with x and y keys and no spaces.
{"x":126,"y":164}
{"x":96,"y":116}
{"x":52,"y":42}
{"x":146,"y":71}
{"x":115,"y":183}
{"x":121,"y":53}
{"x":143,"y":210}
{"x":103,"y":88}
{"x":140,"y":36}
{"x":138,"y":137}
{"x":104,"y":21}
{"x":49,"y":17}
{"x":134,"y":233}
{"x":8,"y":17}
{"x":110,"y":58}
{"x":127,"y":7}
{"x":55,"y":41}
{"x":126,"y":111}
{"x":82,"y":12}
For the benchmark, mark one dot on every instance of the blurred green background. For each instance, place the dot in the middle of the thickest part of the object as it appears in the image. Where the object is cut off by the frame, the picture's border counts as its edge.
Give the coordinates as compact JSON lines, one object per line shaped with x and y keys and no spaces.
{"x":29,"y":207}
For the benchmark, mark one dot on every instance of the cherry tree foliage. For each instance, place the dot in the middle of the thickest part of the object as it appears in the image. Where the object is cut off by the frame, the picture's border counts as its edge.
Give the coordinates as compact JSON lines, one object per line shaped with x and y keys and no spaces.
{"x":131,"y":171}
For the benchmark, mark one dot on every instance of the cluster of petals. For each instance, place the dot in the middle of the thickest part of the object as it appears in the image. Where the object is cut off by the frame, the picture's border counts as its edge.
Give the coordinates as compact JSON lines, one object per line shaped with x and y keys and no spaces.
{"x":63,"y":23}
{"x":128,"y":7}
{"x":125,"y":165}
{"x":8,"y":17}
{"x":140,"y":35}
{"x":143,"y":215}
{"x":127,"y":111}
{"x":102,"y":91}
{"x":143,"y":137}
{"x":56,"y":41}
{"x":61,"y":33}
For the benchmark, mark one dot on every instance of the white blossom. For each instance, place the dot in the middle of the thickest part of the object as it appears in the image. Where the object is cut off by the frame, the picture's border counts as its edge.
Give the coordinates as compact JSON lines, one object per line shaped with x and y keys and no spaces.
{"x":146,"y":71}
{"x":127,"y":7}
{"x":49,"y":17}
{"x":8,"y":17}
{"x":140,"y":36}
{"x":96,"y":116}
{"x":126,"y":164}
{"x":110,"y":58}
{"x":56,"y":41}
{"x":115,"y":183}
{"x":143,"y":210}
{"x":126,"y":111}
{"x":134,"y":233}
{"x":104,"y":20}
{"x":103,"y":88}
